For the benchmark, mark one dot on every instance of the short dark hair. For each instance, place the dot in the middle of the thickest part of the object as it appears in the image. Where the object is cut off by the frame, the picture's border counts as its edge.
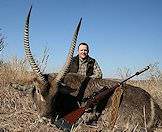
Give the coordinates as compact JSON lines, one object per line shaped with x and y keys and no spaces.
{"x":84,"y":44}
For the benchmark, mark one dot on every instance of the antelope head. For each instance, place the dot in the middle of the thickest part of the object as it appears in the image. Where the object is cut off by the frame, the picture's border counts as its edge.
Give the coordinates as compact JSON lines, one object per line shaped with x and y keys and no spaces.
{"x":44,"y":88}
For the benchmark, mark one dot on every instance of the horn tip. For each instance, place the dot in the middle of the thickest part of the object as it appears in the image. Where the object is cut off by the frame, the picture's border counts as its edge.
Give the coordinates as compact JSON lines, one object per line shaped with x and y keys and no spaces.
{"x":80,"y":19}
{"x":28,"y":16}
{"x":30,"y":9}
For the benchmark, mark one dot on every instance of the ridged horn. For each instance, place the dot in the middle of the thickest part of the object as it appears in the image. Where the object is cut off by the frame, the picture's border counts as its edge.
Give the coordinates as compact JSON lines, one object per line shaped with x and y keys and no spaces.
{"x":28,"y":53}
{"x":65,"y":68}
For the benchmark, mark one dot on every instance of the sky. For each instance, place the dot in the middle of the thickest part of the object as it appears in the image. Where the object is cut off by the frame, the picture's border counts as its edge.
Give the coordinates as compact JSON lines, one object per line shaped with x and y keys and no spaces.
{"x":120,"y":33}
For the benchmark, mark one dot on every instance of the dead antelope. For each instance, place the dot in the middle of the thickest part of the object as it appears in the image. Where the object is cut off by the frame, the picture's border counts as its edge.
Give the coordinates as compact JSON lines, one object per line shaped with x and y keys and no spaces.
{"x":51,"y":91}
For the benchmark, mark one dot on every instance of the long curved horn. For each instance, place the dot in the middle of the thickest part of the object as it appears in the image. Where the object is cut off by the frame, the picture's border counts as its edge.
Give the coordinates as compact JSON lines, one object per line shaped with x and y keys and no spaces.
{"x":65,"y":68}
{"x":28,"y":53}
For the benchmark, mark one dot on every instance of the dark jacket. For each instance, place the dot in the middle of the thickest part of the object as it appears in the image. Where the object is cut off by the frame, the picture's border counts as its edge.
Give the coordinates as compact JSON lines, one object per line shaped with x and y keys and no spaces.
{"x":74,"y":66}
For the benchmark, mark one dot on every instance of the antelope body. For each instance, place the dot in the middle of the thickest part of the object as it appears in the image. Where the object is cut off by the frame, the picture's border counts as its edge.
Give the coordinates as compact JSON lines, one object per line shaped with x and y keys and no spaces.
{"x":52,"y":90}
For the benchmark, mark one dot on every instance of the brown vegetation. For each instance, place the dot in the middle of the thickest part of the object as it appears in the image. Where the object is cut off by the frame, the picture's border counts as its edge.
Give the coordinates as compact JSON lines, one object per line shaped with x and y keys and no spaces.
{"x":18,"y":113}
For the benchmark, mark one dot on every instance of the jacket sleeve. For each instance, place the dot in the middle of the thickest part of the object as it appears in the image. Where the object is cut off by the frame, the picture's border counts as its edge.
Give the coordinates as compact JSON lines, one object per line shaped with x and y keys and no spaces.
{"x":97,"y":73}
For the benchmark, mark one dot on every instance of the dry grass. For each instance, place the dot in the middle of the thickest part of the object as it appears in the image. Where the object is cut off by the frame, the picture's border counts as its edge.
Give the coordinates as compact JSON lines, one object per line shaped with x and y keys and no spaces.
{"x":14,"y":71}
{"x":17,"y":111}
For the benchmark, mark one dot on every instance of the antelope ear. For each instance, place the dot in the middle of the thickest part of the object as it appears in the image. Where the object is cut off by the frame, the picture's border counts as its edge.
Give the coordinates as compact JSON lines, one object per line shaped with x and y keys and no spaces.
{"x":65,"y":89}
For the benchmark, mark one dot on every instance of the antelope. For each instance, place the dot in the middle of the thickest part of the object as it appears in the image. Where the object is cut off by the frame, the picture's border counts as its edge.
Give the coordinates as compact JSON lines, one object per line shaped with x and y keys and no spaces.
{"x":48,"y":89}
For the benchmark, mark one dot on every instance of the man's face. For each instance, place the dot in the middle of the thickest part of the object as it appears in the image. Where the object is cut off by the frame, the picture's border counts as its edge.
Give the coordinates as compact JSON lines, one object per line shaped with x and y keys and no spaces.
{"x":83,"y":51}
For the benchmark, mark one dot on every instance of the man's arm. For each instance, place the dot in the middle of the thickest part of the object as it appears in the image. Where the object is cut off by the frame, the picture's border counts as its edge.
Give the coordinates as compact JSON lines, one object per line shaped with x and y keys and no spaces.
{"x":97,"y":73}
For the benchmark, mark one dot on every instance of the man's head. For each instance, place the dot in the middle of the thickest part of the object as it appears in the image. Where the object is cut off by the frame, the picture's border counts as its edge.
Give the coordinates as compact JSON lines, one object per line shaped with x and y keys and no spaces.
{"x":83,"y":50}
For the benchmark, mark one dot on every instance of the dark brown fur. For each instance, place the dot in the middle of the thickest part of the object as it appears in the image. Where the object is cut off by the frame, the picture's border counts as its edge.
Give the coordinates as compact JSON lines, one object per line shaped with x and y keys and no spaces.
{"x":74,"y":88}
